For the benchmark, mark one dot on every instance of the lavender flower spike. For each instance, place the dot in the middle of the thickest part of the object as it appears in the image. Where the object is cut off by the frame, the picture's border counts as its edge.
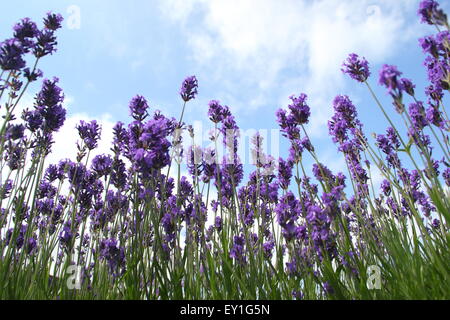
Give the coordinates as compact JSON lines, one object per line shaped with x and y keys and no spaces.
{"x":89,"y":133}
{"x":11,"y":52}
{"x":189,"y":88}
{"x":138,"y":108}
{"x":389,"y":78}
{"x":357,"y":68}
{"x":430,"y":13}
{"x":25,"y":29}
{"x":53,"y":21}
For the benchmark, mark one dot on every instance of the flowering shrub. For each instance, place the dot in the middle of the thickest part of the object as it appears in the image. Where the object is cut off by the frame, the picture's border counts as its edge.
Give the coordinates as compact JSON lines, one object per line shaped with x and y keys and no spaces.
{"x":136,"y":232}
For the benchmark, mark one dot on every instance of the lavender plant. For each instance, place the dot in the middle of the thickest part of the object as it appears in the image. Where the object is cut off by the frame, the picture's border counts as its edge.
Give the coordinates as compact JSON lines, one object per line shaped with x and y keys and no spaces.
{"x":132,"y":230}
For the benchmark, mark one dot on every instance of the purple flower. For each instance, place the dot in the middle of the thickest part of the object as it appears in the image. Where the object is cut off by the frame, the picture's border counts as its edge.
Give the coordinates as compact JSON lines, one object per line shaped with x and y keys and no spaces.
{"x":319,"y":221}
{"x":46,"y":190}
{"x":288,"y":211}
{"x":268,"y":248}
{"x":151,"y":150}
{"x":284,"y":173}
{"x":121,"y":138}
{"x":33,"y":120}
{"x":437,"y":72}
{"x":408,"y":86}
{"x":188,"y":89}
{"x":119,"y":174}
{"x":436,"y":224}
{"x":6,"y":189}
{"x":113,"y":254}
{"x":32,"y":75}
{"x":417,"y":115}
{"x":45,"y":205}
{"x":389,"y":78}
{"x":11,"y":52}
{"x":443,"y":42}
{"x":45,"y":43}
{"x":393,"y":137}
{"x":53,"y":21}
{"x":430,"y":13}
{"x":232,"y":174}
{"x":15,"y":155}
{"x":138,"y":108}
{"x":50,"y":94}
{"x":218,"y":223}
{"x":389,"y":149}
{"x":237,"y":252}
{"x":66,"y":235}
{"x":344,"y":107}
{"x":15,"y":132}
{"x":102,"y":165}
{"x":291,"y":122}
{"x":209,"y":164}
{"x":52,"y":173}
{"x":295,"y":151}
{"x":48,"y":104}
{"x":429,"y":45}
{"x":186,"y":190}
{"x":19,"y":236}
{"x":54,"y":117}
{"x":300,"y":111}
{"x":31,"y":245}
{"x":216,"y":112}
{"x":446,"y":175}
{"x":89,"y":133}
{"x":386,"y":187}
{"x":169,"y":221}
{"x":288,"y":128}
{"x":357,"y":68}
{"x":25,"y":29}
{"x":344,"y":121}
{"x":15,"y":86}
{"x":76,"y":172}
{"x":194,"y":159}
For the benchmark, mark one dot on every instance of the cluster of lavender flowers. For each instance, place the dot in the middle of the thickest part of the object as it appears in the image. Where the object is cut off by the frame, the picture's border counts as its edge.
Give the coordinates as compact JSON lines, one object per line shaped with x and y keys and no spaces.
{"x":127,"y":222}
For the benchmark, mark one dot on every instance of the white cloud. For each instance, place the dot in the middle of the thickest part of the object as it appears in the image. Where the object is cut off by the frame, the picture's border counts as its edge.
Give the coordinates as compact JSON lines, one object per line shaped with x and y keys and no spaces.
{"x":282,"y":47}
{"x":67,"y":137}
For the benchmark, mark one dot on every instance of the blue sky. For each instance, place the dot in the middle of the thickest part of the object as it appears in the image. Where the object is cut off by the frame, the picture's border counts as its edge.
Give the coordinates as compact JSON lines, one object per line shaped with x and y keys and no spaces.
{"x":250,"y":55}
